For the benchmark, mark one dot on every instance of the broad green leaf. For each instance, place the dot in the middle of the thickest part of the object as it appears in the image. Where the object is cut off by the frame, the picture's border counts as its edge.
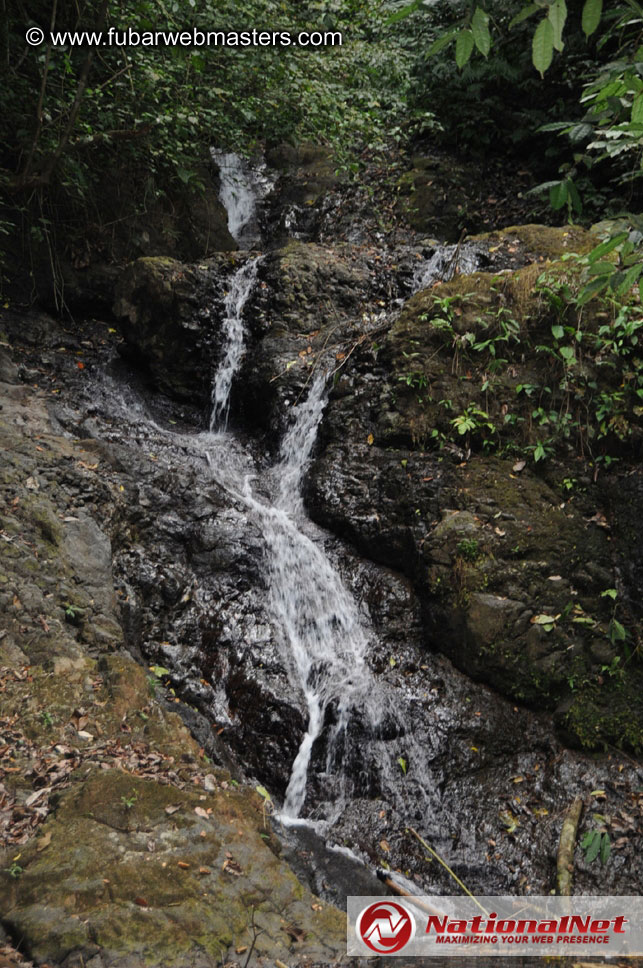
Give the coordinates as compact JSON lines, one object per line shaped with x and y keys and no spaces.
{"x":261,"y":790}
{"x":617,"y":631}
{"x":577,"y":205}
{"x":601,"y":269}
{"x":592,"y":11}
{"x":463,"y":47}
{"x":594,"y":847}
{"x":628,"y":279}
{"x":402,"y":764}
{"x":480,"y":31}
{"x":610,"y":593}
{"x":441,"y":43}
{"x":404,"y":12}
{"x":524,"y":14}
{"x":557,"y":15}
{"x":557,"y":332}
{"x":605,"y":849}
{"x":567,"y":353}
{"x":637,"y":109}
{"x":587,"y":839}
{"x":591,"y":289}
{"x":558,"y":195}
{"x":542,"y":48}
{"x":606,"y":246}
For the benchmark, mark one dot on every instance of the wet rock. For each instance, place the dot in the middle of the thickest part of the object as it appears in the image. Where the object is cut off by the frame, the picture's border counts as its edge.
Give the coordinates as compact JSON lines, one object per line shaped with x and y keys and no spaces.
{"x":170,"y":316}
{"x":305,"y":309}
{"x":307,"y":173}
{"x":510,"y":574}
{"x":130,"y":844}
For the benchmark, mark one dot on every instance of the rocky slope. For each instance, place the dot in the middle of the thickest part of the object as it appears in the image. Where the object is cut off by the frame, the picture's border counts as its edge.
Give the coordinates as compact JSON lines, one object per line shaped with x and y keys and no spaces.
{"x":135,"y":586}
{"x":121,"y":843}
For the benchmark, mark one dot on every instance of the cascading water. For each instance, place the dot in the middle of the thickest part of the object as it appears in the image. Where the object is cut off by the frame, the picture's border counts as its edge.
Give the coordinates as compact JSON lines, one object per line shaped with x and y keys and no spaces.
{"x":322,"y":637}
{"x":446,"y":261}
{"x":233,"y":332}
{"x":242,"y":186}
{"x":316,"y":619}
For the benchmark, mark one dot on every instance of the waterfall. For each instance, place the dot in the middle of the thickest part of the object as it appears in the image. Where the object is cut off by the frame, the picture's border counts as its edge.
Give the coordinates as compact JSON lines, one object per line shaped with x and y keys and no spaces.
{"x":233,"y":331}
{"x":316,"y":619}
{"x":443,"y":264}
{"x":242,"y":186}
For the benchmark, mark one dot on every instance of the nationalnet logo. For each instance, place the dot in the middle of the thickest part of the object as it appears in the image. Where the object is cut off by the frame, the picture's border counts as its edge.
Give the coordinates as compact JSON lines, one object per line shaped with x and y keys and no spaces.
{"x":385,"y":927}
{"x":457,"y":926}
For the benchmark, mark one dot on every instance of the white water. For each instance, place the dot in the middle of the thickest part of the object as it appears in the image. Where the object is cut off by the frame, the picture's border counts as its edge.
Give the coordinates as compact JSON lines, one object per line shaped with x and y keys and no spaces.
{"x":242,"y":186}
{"x":233,"y":332}
{"x":316,"y":619}
{"x":315,"y":615}
{"x":444,"y":263}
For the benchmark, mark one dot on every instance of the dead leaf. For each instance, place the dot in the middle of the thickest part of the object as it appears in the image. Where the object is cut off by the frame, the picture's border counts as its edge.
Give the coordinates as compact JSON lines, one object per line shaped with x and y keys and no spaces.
{"x":370,"y":440}
{"x":204,"y":870}
{"x":44,"y":841}
{"x":183,"y":865}
{"x":172,"y":809}
{"x":384,"y":845}
{"x":200,"y":812}
{"x":141,"y":902}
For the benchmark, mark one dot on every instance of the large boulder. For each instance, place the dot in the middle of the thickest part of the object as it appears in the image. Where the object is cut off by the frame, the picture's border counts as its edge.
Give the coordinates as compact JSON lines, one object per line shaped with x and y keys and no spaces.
{"x":443,"y":455}
{"x":170,"y":316}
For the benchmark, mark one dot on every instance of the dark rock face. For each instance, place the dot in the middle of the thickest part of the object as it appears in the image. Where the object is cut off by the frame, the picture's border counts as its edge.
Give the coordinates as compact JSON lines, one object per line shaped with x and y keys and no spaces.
{"x":306,"y":176}
{"x":170,"y":318}
{"x":305,"y":310}
{"x":509,"y":567}
{"x":462,"y":565}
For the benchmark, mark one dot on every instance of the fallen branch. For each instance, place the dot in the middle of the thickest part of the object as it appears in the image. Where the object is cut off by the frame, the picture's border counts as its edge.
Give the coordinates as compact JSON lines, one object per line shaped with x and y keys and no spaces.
{"x":566,"y":845}
{"x":447,"y":868}
{"x":412,"y":898}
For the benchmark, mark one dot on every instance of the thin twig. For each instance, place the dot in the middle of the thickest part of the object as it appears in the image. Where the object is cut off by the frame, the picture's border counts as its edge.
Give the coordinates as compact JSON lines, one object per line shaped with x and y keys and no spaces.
{"x":447,"y":868}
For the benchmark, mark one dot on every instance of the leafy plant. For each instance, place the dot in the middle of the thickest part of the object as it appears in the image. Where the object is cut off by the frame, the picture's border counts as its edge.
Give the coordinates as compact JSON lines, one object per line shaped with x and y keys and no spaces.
{"x":15,"y":870}
{"x":596,"y":843}
{"x":468,"y":549}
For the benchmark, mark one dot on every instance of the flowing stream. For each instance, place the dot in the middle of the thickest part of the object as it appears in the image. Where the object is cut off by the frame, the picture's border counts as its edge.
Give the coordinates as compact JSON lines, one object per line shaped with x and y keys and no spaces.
{"x":242,"y":186}
{"x":315,"y":617}
{"x":308,"y":657}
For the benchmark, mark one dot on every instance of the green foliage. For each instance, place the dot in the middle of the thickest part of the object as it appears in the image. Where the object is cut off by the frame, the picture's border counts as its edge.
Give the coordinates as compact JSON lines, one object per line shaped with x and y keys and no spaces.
{"x":77,"y":116}
{"x":15,"y":870}
{"x":596,"y":844}
{"x":468,"y":549}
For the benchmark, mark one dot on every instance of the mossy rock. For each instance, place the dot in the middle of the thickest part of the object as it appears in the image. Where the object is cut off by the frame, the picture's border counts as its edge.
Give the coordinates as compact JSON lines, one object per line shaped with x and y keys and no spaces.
{"x":128,"y":866}
{"x":541,"y":242}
